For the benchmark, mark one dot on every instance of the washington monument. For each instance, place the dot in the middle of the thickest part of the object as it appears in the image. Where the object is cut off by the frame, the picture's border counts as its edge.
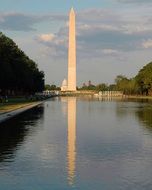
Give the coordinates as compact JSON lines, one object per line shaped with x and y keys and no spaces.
{"x":72,"y":53}
{"x":70,"y":85}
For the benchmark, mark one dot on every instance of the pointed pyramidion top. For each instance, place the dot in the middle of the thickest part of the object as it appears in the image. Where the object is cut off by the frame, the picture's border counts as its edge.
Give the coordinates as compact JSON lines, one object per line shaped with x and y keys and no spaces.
{"x":72,"y":10}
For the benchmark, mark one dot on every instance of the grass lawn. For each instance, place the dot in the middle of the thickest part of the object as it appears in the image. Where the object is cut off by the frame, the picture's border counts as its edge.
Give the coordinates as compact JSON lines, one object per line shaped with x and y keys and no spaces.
{"x":13,"y":104}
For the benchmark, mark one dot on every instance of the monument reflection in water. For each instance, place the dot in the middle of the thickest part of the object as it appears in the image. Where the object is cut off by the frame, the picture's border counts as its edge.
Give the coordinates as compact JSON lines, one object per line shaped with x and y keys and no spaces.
{"x":71,"y":137}
{"x":71,"y":150}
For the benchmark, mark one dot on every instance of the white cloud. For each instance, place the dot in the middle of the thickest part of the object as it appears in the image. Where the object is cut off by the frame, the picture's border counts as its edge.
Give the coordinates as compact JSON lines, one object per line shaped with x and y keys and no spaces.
{"x":56,"y":43}
{"x":46,"y":37}
{"x":109,"y":51}
{"x":147,"y":44}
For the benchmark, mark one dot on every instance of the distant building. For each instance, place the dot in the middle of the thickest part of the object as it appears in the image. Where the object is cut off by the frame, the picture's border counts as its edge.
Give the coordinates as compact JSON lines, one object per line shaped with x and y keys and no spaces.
{"x":64,"y":86}
{"x":84,"y":84}
{"x":89,"y":83}
{"x":110,"y":93}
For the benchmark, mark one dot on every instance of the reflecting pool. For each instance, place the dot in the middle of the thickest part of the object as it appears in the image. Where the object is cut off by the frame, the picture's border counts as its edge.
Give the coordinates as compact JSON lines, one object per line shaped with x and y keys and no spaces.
{"x":78,"y":143}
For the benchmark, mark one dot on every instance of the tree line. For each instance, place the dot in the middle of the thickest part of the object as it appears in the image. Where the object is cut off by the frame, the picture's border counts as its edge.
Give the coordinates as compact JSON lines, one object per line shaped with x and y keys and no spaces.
{"x":52,"y":87}
{"x":141,"y":84}
{"x":18,"y":73}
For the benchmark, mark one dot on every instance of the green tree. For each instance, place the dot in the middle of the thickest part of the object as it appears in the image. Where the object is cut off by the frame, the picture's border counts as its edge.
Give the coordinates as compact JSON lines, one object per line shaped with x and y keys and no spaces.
{"x":144,"y":79}
{"x":102,"y":87}
{"x":18,"y":73}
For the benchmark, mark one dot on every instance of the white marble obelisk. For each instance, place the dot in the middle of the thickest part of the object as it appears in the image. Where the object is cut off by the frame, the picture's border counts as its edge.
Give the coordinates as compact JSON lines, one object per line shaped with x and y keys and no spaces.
{"x":72,"y":53}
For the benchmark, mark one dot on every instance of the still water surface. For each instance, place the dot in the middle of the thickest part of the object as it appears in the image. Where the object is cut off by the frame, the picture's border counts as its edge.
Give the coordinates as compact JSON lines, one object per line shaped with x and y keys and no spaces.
{"x":80,"y":144}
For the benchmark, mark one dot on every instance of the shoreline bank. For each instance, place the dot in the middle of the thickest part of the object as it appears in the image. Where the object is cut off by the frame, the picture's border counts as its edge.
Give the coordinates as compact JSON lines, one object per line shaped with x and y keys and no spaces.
{"x":138,"y":97}
{"x":4,"y":116}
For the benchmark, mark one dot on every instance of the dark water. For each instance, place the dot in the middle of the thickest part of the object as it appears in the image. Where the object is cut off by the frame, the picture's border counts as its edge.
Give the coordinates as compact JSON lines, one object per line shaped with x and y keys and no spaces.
{"x":82,"y":144}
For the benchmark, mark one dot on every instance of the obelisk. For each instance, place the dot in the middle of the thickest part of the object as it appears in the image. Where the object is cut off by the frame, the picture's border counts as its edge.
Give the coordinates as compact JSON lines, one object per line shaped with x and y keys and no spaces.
{"x":72,"y":53}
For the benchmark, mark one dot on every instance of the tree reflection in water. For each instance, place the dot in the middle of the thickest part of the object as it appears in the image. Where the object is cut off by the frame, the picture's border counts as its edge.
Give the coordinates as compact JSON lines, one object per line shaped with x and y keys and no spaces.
{"x":14,"y":131}
{"x":145,"y":116}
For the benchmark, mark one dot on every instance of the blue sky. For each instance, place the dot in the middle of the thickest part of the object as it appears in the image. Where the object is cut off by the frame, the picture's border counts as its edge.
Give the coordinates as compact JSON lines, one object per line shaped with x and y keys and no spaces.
{"x":113,"y":36}
{"x":39,"y":6}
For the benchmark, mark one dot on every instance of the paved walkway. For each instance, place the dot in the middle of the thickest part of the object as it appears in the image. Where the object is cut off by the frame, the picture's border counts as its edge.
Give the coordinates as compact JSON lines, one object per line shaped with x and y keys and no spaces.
{"x":8,"y":115}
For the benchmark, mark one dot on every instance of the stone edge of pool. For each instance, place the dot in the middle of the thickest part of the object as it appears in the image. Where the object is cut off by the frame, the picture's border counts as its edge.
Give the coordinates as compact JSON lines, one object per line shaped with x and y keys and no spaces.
{"x":8,"y":115}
